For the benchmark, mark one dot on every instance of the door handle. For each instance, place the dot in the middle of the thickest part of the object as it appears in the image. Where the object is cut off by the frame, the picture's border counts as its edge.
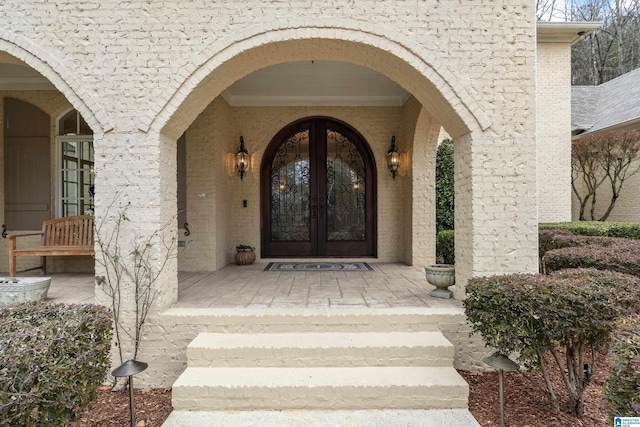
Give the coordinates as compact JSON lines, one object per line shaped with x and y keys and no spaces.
{"x":321,"y":211}
{"x":314,"y":210}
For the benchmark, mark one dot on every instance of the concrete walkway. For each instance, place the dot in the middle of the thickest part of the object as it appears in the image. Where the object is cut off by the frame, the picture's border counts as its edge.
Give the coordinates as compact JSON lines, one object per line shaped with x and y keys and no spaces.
{"x":368,"y":418}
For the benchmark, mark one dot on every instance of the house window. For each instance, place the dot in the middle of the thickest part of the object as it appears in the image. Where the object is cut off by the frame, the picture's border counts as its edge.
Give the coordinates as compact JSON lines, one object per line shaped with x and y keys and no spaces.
{"x":75,"y":145}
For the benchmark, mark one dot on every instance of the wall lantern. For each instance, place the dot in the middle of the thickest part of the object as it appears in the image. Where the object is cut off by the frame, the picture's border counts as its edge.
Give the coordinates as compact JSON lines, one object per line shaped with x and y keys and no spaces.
{"x":393,"y":158}
{"x":242,"y":160}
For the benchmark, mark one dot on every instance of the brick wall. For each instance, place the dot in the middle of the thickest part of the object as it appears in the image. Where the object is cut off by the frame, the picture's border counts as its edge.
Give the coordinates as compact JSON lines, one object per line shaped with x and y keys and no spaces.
{"x":141,"y":73}
{"x":554,"y":131}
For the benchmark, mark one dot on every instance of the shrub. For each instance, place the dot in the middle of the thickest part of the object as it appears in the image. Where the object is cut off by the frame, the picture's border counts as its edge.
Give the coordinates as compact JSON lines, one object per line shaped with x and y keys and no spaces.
{"x":531,"y":315}
{"x":52,"y":358}
{"x":621,"y":255}
{"x":622,"y":387}
{"x":445,"y":246}
{"x":445,"y":190}
{"x":628,"y":230}
{"x":557,"y":239}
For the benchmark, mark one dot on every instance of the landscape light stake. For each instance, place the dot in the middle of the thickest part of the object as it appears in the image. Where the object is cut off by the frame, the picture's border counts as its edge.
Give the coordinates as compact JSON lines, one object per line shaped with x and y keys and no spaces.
{"x":502,"y":363}
{"x":129,"y":369}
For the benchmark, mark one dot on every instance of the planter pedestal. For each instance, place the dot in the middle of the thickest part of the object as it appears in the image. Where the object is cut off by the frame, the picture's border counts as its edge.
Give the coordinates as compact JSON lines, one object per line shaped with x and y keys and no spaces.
{"x":441,"y":276}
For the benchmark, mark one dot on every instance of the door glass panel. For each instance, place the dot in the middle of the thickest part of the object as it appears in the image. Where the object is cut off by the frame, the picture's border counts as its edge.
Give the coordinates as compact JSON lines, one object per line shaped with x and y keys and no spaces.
{"x":346,"y":201}
{"x":290,"y":203}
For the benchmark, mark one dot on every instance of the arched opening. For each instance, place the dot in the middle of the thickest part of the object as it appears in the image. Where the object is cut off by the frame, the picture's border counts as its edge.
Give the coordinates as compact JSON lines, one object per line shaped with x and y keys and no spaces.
{"x":214,"y":125}
{"x":318,"y":186}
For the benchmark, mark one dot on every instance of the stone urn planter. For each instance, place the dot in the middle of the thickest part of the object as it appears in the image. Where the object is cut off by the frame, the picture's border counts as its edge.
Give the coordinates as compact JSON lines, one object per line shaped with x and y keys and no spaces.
{"x":441,"y":276}
{"x":16,"y":290}
{"x":245,"y":255}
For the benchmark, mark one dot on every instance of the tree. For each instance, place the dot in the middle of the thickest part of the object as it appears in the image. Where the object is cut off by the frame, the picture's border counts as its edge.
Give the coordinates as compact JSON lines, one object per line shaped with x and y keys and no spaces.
{"x":605,"y":157}
{"x":585,"y":172}
{"x":130,"y":273}
{"x":604,"y":54}
{"x":445,"y":190}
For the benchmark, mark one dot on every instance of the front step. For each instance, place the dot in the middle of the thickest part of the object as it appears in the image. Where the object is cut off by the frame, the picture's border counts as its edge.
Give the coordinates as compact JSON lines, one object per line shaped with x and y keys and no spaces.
{"x":320,"y":370}
{"x":317,"y":418}
{"x":334,"y":388}
{"x":320,"y":349}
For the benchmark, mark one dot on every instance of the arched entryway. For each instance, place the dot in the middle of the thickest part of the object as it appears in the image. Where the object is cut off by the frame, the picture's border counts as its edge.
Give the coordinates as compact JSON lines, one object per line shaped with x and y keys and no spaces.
{"x":317,"y":188}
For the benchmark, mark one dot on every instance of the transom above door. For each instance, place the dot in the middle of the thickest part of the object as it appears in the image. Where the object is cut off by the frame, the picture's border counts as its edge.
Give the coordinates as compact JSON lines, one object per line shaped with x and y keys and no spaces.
{"x":318,"y":192}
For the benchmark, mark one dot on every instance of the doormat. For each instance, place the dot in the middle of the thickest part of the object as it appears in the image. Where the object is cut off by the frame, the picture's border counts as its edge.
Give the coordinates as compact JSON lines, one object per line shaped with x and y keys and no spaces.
{"x":318,"y":266}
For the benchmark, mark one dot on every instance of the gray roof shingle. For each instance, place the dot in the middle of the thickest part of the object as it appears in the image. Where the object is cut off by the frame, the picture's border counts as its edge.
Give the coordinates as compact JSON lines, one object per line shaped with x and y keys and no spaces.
{"x":611,"y":105}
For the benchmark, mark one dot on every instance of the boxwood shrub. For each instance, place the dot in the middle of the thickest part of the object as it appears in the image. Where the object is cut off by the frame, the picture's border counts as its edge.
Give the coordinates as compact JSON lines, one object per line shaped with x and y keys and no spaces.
{"x":621,"y":255}
{"x":629,"y":230}
{"x":529,"y":315}
{"x":52,"y":358}
{"x":622,"y":387}
{"x":557,"y":239}
{"x":445,"y":246}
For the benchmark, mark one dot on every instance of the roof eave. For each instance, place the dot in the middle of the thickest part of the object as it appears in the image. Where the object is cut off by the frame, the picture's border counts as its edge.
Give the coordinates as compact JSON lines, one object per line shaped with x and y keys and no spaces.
{"x":564,"y":32}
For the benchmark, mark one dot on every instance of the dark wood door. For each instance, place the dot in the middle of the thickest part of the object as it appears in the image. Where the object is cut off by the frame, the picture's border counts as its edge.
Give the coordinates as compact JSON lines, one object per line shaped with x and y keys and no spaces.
{"x":317,"y":192}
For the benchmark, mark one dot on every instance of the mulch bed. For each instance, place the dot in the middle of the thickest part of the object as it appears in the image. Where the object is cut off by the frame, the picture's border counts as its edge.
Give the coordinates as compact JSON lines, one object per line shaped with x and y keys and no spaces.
{"x":525,"y":405}
{"x":111,"y":408}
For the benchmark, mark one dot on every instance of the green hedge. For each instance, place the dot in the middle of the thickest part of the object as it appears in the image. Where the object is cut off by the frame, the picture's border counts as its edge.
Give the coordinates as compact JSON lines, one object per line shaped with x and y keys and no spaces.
{"x":629,"y":230}
{"x":622,"y":387}
{"x":529,"y":315}
{"x":621,"y":255}
{"x":557,"y":239}
{"x":445,"y":246}
{"x":52,"y":358}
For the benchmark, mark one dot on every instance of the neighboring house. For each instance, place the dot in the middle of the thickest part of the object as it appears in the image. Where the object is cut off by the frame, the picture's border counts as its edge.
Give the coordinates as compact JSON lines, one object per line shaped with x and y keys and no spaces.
{"x":614,"y":105}
{"x":95,"y":96}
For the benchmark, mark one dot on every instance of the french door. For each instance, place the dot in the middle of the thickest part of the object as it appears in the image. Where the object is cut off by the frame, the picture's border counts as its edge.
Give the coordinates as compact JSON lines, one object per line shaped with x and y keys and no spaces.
{"x":317,"y":192}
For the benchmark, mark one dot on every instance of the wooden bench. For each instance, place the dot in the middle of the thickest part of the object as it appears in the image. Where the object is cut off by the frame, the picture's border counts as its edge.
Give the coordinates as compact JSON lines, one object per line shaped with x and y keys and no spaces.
{"x":68,"y":236}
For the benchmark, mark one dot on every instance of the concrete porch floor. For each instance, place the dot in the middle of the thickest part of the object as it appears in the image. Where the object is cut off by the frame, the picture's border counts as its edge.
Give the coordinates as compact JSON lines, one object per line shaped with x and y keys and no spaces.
{"x":388,"y":285}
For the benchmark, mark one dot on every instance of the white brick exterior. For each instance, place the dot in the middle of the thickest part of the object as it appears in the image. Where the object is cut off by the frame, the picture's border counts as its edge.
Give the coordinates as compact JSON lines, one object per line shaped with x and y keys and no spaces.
{"x":553,"y":76}
{"x":141,"y":73}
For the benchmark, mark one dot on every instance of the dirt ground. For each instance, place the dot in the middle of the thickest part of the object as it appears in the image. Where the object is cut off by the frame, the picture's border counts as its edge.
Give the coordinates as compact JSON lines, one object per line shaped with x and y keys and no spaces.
{"x":525,"y":405}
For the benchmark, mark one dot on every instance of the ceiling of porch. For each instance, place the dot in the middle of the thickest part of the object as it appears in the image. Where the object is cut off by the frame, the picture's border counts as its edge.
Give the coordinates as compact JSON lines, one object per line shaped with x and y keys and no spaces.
{"x":310,"y":83}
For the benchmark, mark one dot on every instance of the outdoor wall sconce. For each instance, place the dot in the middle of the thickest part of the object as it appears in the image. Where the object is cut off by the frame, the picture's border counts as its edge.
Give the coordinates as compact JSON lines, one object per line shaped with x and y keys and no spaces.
{"x":242,"y":160}
{"x":393,"y":158}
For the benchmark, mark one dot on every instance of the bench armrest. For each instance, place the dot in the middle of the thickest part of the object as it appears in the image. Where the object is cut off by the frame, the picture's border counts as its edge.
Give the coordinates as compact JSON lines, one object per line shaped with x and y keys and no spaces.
{"x":15,"y":236}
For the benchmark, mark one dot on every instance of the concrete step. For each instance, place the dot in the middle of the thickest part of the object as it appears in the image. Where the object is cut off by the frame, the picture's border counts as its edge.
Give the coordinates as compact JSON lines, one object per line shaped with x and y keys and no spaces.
{"x":298,"y":320}
{"x":240,"y":388}
{"x":319,"y":418}
{"x":321,"y":349}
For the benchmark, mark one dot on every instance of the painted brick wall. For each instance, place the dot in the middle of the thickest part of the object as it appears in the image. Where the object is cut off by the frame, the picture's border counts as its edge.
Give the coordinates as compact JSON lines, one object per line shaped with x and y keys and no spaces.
{"x":216,"y":134}
{"x":144,"y":66}
{"x":554,"y":131}
{"x":142,"y":72}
